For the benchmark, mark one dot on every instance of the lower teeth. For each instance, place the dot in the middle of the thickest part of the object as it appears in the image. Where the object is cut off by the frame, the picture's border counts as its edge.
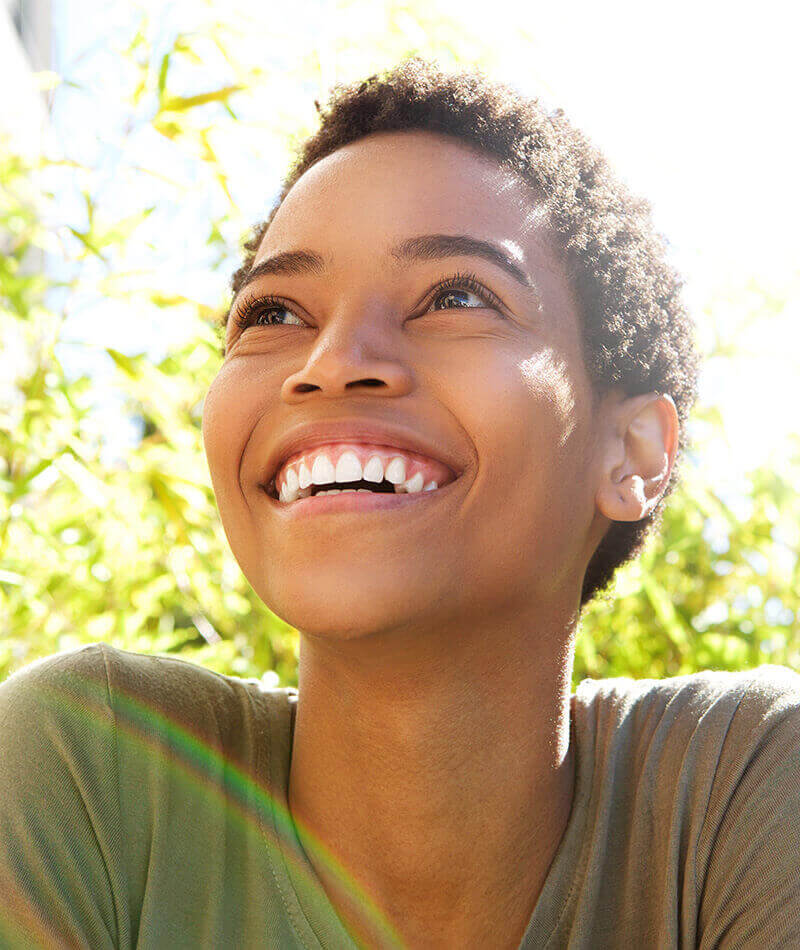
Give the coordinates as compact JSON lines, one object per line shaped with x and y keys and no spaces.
{"x":344,"y":491}
{"x":396,"y":489}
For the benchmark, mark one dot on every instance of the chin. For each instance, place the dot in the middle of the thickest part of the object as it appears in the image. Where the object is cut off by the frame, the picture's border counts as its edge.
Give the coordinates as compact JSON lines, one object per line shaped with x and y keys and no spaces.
{"x":339,"y":605}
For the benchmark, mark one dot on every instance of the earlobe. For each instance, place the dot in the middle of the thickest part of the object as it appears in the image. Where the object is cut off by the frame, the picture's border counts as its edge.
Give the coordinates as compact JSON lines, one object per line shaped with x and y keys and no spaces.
{"x":639,"y":457}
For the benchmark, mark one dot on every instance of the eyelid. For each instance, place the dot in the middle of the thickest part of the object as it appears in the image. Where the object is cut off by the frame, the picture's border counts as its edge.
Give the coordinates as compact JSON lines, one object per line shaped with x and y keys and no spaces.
{"x":472,"y":284}
{"x":241,"y":309}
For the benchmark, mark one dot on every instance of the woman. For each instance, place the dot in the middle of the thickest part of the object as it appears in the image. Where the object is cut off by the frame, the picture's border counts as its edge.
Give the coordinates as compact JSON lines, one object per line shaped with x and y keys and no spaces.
{"x":456,"y":311}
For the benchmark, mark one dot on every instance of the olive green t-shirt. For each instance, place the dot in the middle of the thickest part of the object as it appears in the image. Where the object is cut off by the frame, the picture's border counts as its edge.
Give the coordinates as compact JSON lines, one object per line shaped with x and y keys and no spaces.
{"x":143,"y":804}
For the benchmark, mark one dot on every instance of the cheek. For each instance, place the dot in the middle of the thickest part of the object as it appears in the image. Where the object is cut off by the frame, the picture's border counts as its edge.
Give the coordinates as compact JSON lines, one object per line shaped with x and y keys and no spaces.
{"x":519,"y":409}
{"x":517,"y":406}
{"x":545,"y":377}
{"x":228,"y":417}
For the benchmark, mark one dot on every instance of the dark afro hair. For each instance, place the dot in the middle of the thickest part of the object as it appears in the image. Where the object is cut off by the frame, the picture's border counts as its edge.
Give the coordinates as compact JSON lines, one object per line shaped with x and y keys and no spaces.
{"x":637,"y":334}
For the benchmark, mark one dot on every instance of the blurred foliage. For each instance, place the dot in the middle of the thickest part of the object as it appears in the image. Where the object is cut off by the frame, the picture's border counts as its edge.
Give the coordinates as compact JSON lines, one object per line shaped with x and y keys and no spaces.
{"x":129,"y":550}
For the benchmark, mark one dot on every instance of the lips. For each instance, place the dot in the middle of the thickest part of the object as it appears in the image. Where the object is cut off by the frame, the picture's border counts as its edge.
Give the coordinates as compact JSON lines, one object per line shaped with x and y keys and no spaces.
{"x":353,"y":466}
{"x":368,"y":432}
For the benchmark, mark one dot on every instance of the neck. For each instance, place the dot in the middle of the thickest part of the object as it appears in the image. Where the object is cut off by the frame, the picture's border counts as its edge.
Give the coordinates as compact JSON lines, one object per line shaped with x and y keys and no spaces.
{"x":438,"y":771}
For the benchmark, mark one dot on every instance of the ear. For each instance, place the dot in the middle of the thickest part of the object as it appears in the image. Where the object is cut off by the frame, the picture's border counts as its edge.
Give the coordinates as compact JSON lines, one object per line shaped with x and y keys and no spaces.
{"x":639,"y":455}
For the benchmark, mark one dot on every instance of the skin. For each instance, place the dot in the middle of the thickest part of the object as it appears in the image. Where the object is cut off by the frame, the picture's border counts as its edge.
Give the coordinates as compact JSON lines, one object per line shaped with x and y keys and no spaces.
{"x":432,"y":750}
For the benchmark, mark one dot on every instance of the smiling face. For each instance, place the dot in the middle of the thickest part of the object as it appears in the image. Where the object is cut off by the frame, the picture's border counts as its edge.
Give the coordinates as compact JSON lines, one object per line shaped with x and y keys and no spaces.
{"x":485,"y":378}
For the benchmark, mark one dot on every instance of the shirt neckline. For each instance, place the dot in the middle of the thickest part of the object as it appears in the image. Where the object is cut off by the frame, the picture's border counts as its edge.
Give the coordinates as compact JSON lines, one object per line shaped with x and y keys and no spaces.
{"x":567,"y":869}
{"x":307,"y":905}
{"x":308,"y":908}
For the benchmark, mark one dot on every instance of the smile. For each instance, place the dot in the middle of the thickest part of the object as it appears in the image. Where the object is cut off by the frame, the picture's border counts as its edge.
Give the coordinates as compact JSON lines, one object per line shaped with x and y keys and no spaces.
{"x":346,"y":468}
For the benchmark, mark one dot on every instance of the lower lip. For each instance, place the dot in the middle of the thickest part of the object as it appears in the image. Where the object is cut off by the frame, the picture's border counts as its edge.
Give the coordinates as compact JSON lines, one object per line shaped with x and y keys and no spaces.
{"x":359,"y":502}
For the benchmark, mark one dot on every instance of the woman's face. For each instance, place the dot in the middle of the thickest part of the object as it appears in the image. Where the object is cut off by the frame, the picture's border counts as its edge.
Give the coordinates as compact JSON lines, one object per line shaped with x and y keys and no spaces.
{"x":493,"y":397}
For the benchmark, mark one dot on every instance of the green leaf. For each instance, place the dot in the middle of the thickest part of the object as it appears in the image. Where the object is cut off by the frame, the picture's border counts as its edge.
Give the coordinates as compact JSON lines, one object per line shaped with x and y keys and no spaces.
{"x":182,"y":103}
{"x":87,"y":243}
{"x":129,"y":365}
{"x":162,"y":74}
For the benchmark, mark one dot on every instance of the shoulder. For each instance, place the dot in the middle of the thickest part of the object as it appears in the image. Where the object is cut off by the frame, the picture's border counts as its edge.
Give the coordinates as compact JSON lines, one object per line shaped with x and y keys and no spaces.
{"x":761,"y":748}
{"x":99,"y":688}
{"x":65,"y":687}
{"x":702,"y":773}
{"x":689,"y":748}
{"x":58,"y":799}
{"x":86,"y":660}
{"x":138,"y":672}
{"x":739,"y":708}
{"x":98,"y":674}
{"x":103,"y":752}
{"x":766,"y":682}
{"x":172,"y":690}
{"x":748,"y":855}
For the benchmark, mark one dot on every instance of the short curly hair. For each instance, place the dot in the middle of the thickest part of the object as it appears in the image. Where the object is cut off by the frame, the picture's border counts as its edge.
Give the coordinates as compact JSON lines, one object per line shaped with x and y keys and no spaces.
{"x":636,"y":332}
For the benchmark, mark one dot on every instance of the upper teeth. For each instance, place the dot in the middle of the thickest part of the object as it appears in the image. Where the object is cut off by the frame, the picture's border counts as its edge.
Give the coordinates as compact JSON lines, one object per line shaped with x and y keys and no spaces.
{"x":373,"y":470}
{"x":348,"y":468}
{"x":297,"y":480}
{"x":323,"y":472}
{"x":396,"y":471}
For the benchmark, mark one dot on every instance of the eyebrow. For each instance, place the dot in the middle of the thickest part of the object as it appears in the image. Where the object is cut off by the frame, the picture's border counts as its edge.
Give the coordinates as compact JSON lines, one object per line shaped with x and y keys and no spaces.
{"x":425,"y":247}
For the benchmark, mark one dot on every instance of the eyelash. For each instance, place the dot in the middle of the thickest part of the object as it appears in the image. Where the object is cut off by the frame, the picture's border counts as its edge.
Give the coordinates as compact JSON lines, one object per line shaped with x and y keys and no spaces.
{"x":253,"y":307}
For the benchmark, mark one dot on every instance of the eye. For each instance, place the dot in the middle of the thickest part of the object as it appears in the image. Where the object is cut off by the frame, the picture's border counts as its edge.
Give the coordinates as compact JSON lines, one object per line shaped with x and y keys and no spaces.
{"x":448,"y":294}
{"x":454,"y":289}
{"x":265,"y":312}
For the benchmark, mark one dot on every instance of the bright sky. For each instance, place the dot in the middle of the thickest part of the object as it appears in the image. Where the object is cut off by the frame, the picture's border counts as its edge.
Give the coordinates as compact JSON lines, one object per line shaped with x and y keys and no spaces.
{"x":694,"y":103}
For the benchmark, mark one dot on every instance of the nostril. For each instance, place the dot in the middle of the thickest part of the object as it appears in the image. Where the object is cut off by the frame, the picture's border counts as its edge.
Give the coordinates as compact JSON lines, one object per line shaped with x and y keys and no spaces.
{"x":366,"y":382}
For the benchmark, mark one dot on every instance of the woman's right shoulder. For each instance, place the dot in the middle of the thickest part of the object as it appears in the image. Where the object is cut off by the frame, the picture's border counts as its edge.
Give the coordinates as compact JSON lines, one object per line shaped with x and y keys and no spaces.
{"x":58,"y":687}
{"x":97,"y":744}
{"x":101,"y":672}
{"x":98,"y":704}
{"x":98,"y":695}
{"x":58,"y":801}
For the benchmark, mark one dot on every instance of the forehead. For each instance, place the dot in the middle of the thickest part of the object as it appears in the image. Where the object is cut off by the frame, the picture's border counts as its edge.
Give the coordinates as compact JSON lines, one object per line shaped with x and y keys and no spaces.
{"x":389,"y":185}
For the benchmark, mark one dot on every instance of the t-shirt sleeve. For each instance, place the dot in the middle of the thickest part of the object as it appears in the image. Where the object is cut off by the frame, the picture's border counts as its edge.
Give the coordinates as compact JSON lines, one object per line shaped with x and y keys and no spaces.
{"x":751,"y":894}
{"x":61,"y":870}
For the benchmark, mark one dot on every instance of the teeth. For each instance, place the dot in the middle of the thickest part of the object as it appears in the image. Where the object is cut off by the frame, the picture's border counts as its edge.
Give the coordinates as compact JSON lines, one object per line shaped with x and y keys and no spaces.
{"x":291,"y":487}
{"x":292,"y":481}
{"x":288,"y":495}
{"x":298,"y":479}
{"x":348,"y":468}
{"x":329,"y":491}
{"x":373,"y":470}
{"x":323,"y":472}
{"x":414,"y":484}
{"x":396,"y":471}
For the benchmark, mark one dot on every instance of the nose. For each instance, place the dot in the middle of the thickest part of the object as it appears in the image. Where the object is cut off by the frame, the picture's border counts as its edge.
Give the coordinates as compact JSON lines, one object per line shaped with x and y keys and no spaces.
{"x":344,"y":359}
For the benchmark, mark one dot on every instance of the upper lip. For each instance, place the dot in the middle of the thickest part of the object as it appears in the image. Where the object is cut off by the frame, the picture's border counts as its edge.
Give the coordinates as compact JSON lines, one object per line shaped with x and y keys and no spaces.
{"x":354,"y":430}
